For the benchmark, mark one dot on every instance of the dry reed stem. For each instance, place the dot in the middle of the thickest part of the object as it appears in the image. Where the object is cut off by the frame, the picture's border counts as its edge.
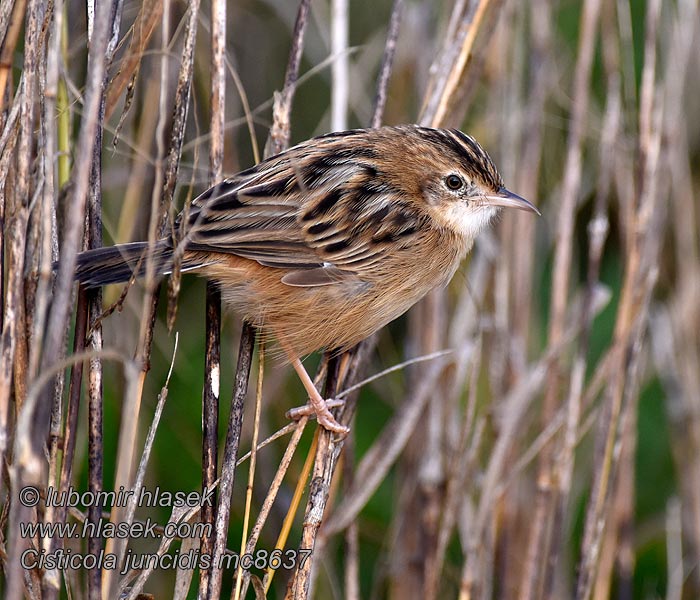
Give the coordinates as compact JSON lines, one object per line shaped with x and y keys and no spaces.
{"x":282,"y":109}
{"x":8,"y":141}
{"x":251,"y":468}
{"x":678,"y":368}
{"x":212,"y":357}
{"x":376,"y":462}
{"x":93,"y":239}
{"x":328,"y":450}
{"x":141,"y":31}
{"x":210,"y":412}
{"x":319,"y":488}
{"x":228,"y":467}
{"x":597,"y":233}
{"x":416,"y":556}
{"x":10,"y":26}
{"x":548,"y":485}
{"x":640,"y":277}
{"x":46,"y":251}
{"x":273,"y":489}
{"x":141,"y":473}
{"x":161,"y":202}
{"x":340,"y":68}
{"x":278,"y":140}
{"x":95,"y":439}
{"x":47,"y":248}
{"x":29,"y":462}
{"x":386,"y":64}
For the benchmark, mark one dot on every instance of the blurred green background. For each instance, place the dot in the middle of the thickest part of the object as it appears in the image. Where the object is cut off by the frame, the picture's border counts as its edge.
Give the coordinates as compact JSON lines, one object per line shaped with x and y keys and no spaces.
{"x":259,"y":41}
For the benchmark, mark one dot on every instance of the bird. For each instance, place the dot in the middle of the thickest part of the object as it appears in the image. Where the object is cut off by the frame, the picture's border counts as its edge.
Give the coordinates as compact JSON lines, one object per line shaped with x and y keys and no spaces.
{"x":325,"y":243}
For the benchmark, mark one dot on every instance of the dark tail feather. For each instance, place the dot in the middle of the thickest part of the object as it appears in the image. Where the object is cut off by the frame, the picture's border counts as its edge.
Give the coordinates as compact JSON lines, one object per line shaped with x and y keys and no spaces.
{"x":115,"y":264}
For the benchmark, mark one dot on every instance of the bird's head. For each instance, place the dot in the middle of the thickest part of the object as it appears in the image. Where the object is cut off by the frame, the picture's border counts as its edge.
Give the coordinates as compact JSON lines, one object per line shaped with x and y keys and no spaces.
{"x":455,"y":178}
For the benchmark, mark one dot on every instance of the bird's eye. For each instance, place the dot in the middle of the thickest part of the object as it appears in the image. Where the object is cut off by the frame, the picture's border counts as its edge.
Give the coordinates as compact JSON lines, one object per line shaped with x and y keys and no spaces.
{"x":454,"y":182}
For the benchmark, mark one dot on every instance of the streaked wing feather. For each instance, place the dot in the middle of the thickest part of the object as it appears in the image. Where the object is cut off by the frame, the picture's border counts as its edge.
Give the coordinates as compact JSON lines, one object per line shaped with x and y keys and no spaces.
{"x":244,"y":218}
{"x":324,"y":216}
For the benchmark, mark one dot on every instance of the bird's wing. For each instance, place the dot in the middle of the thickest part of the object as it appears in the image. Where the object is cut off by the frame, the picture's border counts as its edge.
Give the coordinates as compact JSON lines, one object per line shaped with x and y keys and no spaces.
{"x":322,"y":218}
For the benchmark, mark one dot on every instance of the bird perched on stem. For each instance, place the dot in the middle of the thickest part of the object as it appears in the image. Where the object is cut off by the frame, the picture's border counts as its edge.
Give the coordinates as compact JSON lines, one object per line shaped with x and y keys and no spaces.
{"x":325,"y":243}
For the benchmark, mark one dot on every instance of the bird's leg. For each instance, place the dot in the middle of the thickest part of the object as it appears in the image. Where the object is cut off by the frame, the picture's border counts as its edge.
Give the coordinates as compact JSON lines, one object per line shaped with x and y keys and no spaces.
{"x":318,"y":405}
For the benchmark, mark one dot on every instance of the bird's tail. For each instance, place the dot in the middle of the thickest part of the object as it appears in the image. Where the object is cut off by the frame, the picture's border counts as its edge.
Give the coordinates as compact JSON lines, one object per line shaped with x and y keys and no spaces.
{"x":115,"y":264}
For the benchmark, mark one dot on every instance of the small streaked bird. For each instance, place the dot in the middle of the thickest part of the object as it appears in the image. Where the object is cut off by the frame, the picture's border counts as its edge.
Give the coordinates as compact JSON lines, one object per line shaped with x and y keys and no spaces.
{"x":325,"y":243}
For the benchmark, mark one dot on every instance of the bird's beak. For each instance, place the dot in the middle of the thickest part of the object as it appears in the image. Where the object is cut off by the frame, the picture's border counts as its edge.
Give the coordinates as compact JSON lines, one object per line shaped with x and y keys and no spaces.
{"x":507,"y":199}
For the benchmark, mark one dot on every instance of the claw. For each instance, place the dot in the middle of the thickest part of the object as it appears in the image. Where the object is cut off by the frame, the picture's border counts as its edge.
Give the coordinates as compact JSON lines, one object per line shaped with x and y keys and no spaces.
{"x":322,"y":413}
{"x":317,"y":404}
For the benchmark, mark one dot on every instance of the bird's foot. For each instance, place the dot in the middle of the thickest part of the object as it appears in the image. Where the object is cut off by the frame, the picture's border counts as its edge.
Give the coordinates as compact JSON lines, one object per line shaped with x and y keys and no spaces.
{"x":320,"y":408}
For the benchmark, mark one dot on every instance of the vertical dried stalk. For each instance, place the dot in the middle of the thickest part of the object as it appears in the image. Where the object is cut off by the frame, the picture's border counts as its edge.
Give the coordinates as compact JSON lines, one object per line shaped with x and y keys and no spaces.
{"x":94,"y":298}
{"x":640,"y":278}
{"x":10,"y":27}
{"x":45,"y":255}
{"x":149,"y":14}
{"x":597,"y":232}
{"x":95,"y":397}
{"x":212,"y":360}
{"x":41,"y":255}
{"x":340,"y":69}
{"x":282,"y":110}
{"x":328,"y":449}
{"x":278,"y":141}
{"x":161,"y":204}
{"x":228,"y":470}
{"x":387,"y":64}
{"x":677,"y":341}
{"x":89,"y":309}
{"x":7,"y":146}
{"x":29,"y":451}
{"x":529,"y":168}
{"x":547,"y":484}
{"x":51,"y":580}
{"x":319,"y":488}
{"x":416,"y":554}
{"x":95,"y":439}
{"x":76,"y":214}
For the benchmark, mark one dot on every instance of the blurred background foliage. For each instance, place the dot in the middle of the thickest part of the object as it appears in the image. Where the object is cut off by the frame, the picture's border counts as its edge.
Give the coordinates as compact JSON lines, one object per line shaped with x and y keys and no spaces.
{"x":259,"y":37}
{"x":662,"y":444}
